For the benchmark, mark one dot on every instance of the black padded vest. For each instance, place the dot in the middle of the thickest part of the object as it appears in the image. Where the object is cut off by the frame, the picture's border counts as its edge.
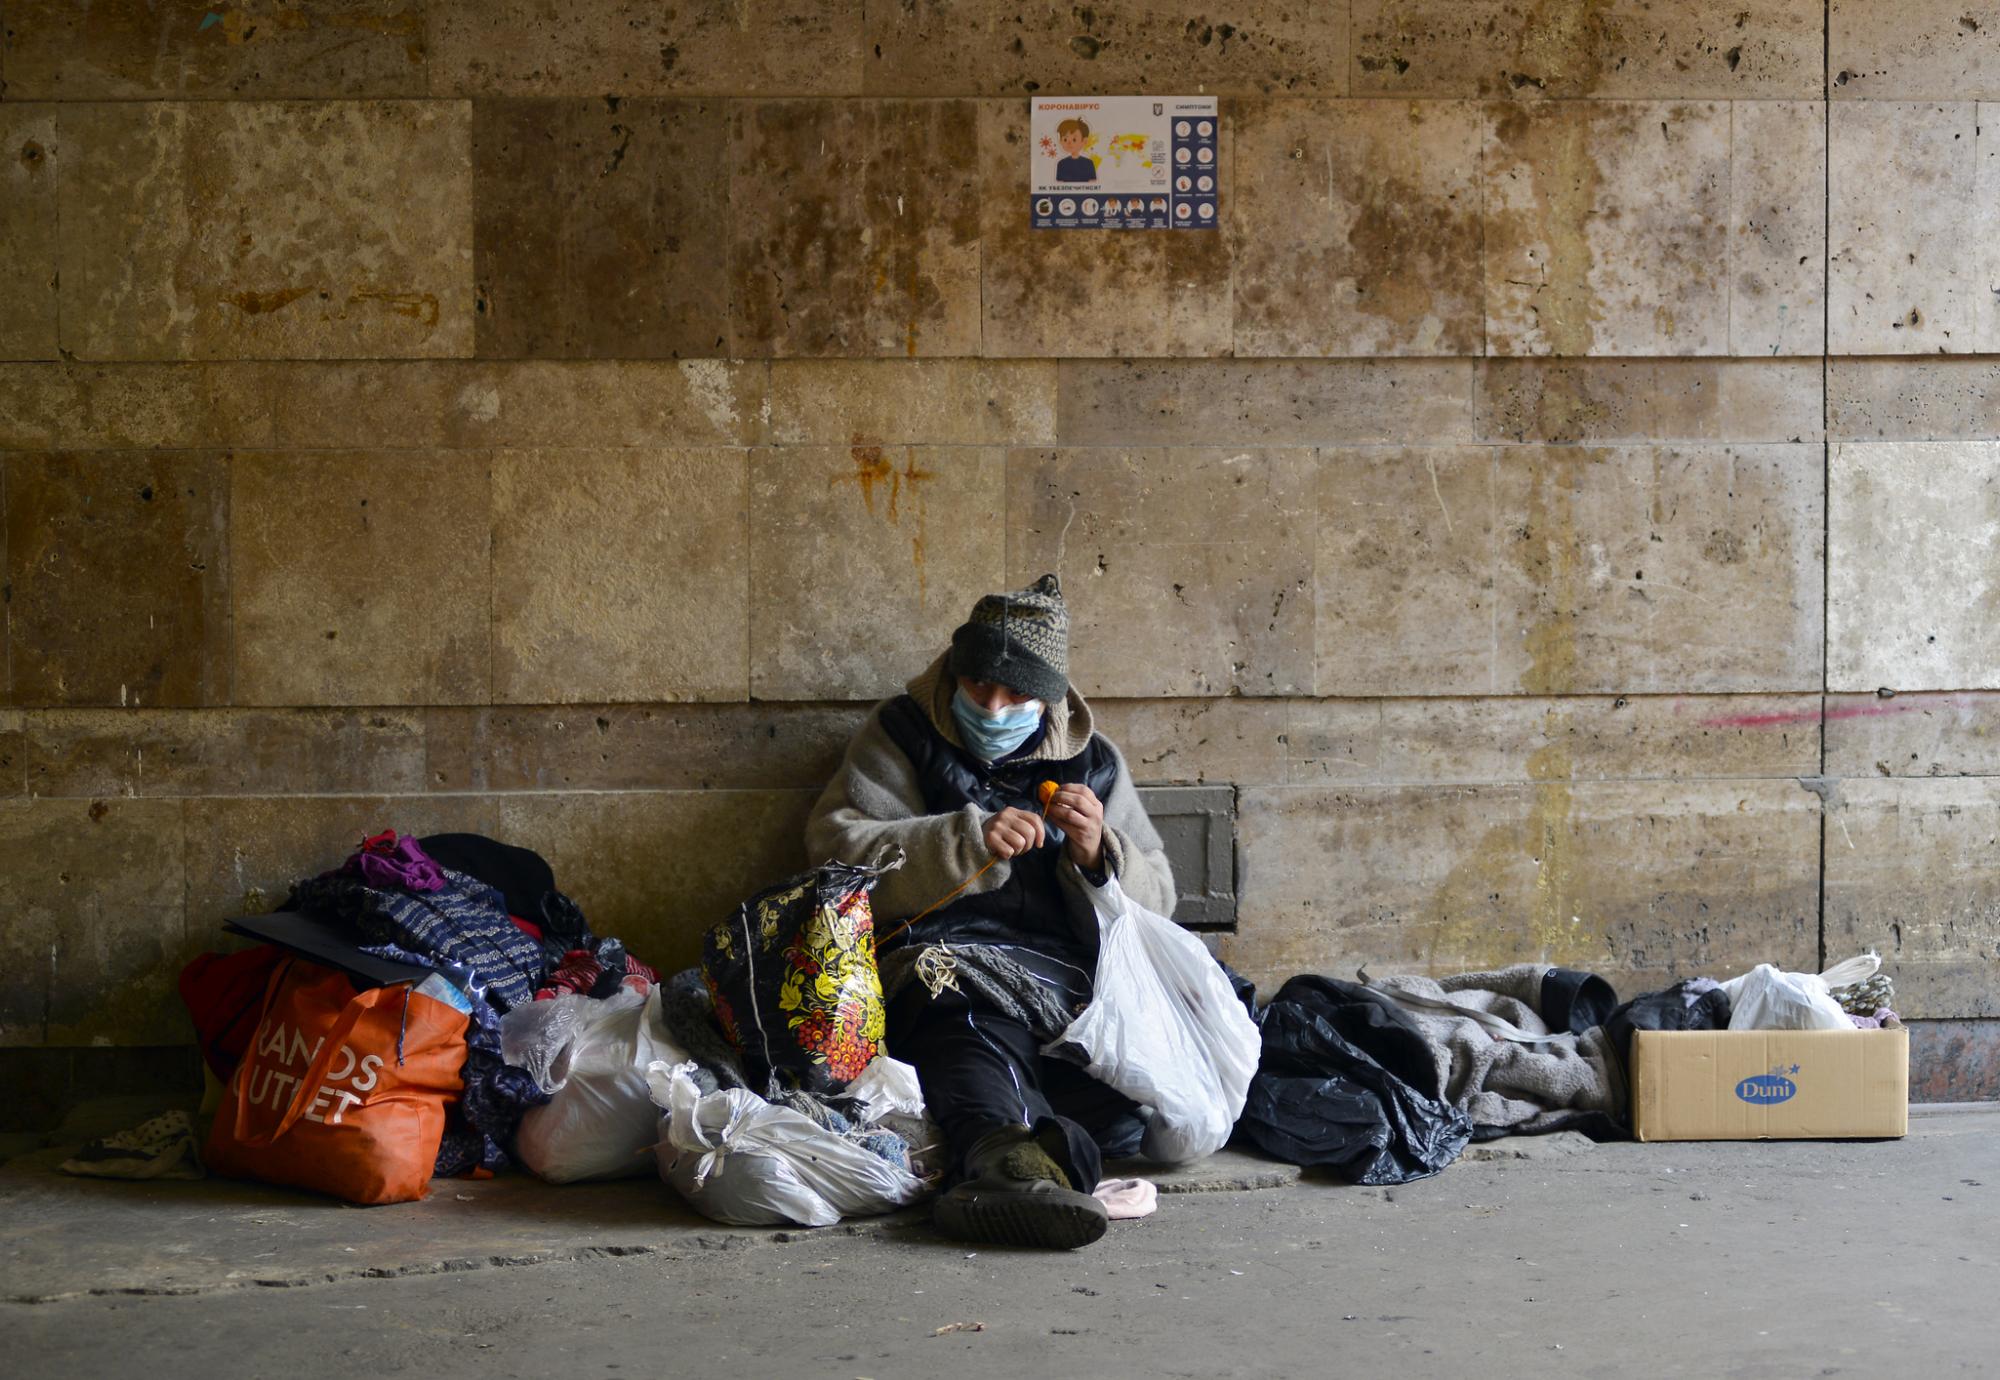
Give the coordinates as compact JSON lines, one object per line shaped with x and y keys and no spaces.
{"x":1028,"y":908}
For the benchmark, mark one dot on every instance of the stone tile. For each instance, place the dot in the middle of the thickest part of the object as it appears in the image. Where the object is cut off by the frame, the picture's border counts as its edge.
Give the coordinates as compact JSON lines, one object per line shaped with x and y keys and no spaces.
{"x":863,"y":559}
{"x":144,"y":752}
{"x":989,"y":48}
{"x":1575,"y":738}
{"x":1723,"y":545}
{"x":1599,"y":400}
{"x":1913,"y":735}
{"x":1045,"y":293}
{"x":1191,"y":742}
{"x":947,"y":402}
{"x":1519,"y":50}
{"x":1601,"y":241}
{"x":614,"y":747}
{"x":91,"y":922}
{"x":1407,"y":587}
{"x":72,"y":406}
{"x":1359,"y":228}
{"x":618,"y":575}
{"x":462,"y":404}
{"x":699,"y":48}
{"x":118,"y":572}
{"x":28,"y":226}
{"x":1187,"y":572}
{"x":380,"y":597}
{"x":835,"y":248}
{"x":1263,"y":402}
{"x":1566,"y":570}
{"x":1928,"y":399}
{"x":244,"y":853}
{"x":1910,"y":229}
{"x":261,"y":229}
{"x":1913,"y":50}
{"x":334,"y":48}
{"x":1777,"y":228}
{"x":1914,"y":578}
{"x":1911,"y":872}
{"x":656,"y":869}
{"x":594,"y":234}
{"x":1644,"y":882}
{"x":690,"y":402}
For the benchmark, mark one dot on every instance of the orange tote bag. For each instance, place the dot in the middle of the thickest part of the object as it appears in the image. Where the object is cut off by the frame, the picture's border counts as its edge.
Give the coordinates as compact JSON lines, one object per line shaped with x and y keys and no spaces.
{"x":343,"y":1092}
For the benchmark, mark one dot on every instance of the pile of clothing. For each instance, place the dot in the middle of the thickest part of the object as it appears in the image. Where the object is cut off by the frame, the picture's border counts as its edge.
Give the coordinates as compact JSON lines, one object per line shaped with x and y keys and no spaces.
{"x":1387,"y":1080}
{"x":578,"y":1062}
{"x":484,"y":914}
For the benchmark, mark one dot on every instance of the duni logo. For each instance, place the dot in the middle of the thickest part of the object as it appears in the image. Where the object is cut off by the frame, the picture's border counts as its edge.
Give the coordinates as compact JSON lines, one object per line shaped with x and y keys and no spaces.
{"x":1766,"y":1088}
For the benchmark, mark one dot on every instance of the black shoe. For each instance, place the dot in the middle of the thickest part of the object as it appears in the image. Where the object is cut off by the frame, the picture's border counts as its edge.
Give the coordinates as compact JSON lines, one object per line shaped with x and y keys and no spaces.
{"x":1017,"y":1196}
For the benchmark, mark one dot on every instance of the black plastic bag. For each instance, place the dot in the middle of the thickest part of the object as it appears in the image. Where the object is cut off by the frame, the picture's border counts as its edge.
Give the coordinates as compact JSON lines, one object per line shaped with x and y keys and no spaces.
{"x":793,"y":977}
{"x":1690,"y":1004}
{"x":1347,"y":1082}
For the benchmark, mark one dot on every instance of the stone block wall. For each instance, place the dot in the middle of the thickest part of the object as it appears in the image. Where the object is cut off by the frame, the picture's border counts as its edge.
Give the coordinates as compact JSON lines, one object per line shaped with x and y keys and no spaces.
{"x":1559,"y":503}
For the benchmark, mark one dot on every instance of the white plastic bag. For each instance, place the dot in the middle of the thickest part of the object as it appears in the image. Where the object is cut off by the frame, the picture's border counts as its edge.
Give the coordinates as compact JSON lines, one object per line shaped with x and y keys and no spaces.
{"x":738,"y":1159}
{"x":537,"y":1036}
{"x":1165,"y":1028}
{"x":1766,"y":998}
{"x":602,"y":1120}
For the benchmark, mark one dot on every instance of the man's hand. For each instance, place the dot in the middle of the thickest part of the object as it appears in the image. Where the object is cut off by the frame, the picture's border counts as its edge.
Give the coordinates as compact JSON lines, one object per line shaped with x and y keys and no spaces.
{"x":1013,"y":832}
{"x":1081,"y":814}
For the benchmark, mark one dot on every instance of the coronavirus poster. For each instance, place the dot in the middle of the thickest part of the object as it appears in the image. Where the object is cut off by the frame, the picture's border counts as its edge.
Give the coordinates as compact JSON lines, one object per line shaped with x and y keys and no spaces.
{"x":1123,"y":163}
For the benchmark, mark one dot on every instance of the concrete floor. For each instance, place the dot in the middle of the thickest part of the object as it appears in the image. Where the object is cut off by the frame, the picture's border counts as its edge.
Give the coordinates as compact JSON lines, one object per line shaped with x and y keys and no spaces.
{"x":1529,"y":1257}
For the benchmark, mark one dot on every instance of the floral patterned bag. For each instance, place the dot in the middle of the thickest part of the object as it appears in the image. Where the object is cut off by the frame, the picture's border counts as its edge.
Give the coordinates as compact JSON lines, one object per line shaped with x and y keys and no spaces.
{"x":793,"y":976}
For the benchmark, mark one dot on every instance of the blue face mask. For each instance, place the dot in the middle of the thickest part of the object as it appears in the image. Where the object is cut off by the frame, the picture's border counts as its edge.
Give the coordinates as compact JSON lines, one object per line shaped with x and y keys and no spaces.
{"x":992,"y":736}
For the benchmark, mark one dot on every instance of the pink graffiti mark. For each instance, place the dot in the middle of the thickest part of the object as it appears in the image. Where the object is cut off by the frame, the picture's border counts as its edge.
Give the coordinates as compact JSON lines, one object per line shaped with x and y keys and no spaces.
{"x":1876,"y":710}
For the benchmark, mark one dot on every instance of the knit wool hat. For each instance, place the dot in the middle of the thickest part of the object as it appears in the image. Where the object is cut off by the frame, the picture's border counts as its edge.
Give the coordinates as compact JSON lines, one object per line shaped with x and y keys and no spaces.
{"x":1019,"y":639}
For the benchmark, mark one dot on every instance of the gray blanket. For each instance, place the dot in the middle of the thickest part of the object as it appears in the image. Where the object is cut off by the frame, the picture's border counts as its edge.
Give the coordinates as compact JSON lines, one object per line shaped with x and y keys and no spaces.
{"x":1527,"y":1086}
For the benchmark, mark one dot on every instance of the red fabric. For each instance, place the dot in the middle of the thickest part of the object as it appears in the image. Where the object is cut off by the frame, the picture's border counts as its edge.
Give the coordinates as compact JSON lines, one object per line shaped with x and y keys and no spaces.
{"x":223,"y":993}
{"x":527,"y":927}
{"x":579,"y":972}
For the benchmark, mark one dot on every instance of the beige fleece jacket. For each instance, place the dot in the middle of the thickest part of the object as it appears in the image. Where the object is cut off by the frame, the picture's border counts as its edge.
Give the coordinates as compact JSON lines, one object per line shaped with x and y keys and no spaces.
{"x":874,"y":801}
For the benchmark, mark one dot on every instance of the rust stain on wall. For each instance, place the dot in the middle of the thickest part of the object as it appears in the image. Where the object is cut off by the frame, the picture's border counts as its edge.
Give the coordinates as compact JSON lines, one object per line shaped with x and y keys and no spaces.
{"x":245,"y":24}
{"x":257,"y":303}
{"x":421,"y":307}
{"x":872,"y":468}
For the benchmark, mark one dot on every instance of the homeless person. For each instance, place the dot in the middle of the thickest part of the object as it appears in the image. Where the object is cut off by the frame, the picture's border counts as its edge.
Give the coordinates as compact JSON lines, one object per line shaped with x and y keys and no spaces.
{"x":949,"y":771}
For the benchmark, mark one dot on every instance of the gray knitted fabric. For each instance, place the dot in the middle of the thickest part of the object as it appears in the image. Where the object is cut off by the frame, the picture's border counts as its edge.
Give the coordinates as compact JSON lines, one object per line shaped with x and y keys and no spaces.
{"x":1019,"y":639}
{"x":985,"y":970}
{"x":688,"y":1012}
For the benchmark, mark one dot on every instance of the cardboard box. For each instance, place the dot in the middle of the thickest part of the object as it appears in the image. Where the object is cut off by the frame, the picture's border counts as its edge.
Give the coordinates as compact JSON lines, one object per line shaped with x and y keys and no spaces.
{"x":1770,"y":1084}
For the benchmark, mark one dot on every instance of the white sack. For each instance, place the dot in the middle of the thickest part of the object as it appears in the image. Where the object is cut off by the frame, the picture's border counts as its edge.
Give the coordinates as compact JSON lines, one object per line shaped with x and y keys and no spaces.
{"x":1767,"y":999}
{"x":1165,"y":1028}
{"x":602,"y":1120}
{"x":736,"y":1158}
